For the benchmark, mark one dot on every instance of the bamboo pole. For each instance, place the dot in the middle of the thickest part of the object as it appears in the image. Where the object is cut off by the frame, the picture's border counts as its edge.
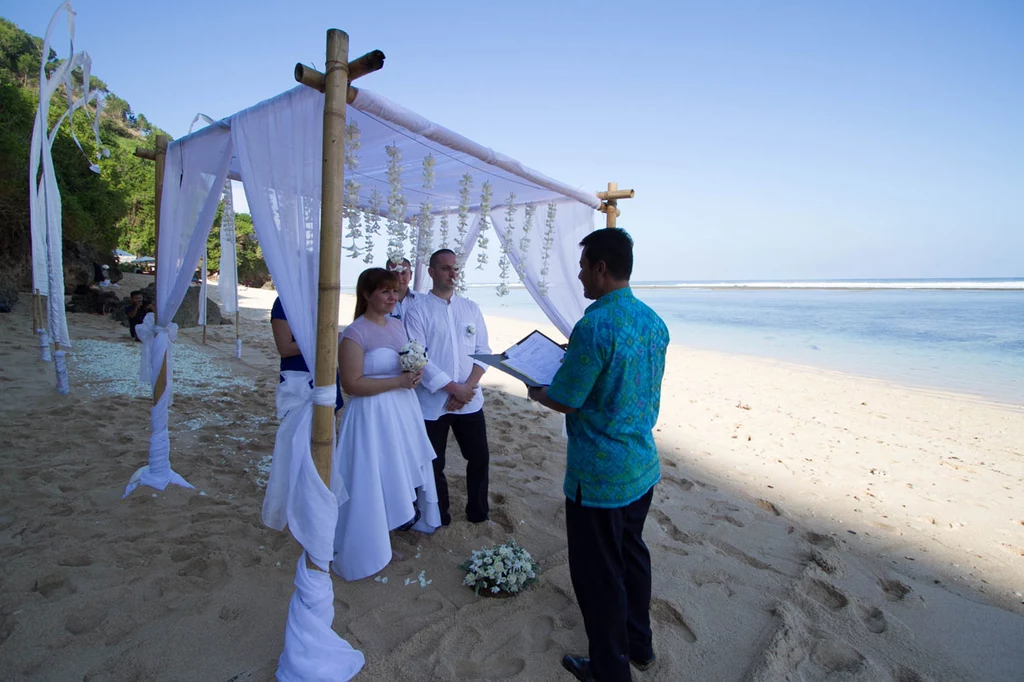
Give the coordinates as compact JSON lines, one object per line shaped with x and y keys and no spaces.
{"x":159,"y":156}
{"x":332,"y":186}
{"x":35,"y":311}
{"x":202,"y":268}
{"x":357,"y":68}
{"x":610,"y":207}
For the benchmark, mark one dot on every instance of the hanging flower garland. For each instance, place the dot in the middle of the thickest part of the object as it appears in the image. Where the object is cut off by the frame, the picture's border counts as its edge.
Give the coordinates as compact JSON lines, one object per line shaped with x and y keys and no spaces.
{"x":549,"y":241}
{"x":507,"y":244}
{"x":465,"y":186}
{"x":352,"y":212}
{"x":426,"y":217}
{"x":444,"y":231}
{"x":524,"y":241}
{"x":396,"y":206}
{"x":485,"y":219}
{"x":372,"y":222}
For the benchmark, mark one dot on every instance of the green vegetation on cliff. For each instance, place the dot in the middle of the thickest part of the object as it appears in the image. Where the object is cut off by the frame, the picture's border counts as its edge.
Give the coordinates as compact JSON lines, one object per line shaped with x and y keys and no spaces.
{"x":100,"y":212}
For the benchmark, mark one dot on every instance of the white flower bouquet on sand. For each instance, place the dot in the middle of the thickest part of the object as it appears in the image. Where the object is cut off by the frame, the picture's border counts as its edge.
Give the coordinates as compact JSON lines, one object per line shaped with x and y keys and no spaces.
{"x":500,"y":571}
{"x":413,"y":356}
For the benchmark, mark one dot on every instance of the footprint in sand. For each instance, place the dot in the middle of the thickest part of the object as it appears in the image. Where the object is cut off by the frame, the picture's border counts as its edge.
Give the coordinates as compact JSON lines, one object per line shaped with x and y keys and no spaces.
{"x":54,"y":586}
{"x":894,"y":589}
{"x":538,"y":634}
{"x":768,"y":507}
{"x":827,"y":595}
{"x":681,"y":483}
{"x":728,"y":519}
{"x":738,"y":554}
{"x":874,"y":619}
{"x":671,"y":528}
{"x":666,"y":612}
{"x":819,"y":540}
{"x":85,"y":620}
{"x":822,"y":562}
{"x":499,"y":669}
{"x":903,"y":674}
{"x":837,"y":657}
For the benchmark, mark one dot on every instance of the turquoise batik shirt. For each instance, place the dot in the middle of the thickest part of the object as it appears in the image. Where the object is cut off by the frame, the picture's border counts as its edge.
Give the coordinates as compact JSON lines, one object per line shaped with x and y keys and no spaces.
{"x":612,"y":375}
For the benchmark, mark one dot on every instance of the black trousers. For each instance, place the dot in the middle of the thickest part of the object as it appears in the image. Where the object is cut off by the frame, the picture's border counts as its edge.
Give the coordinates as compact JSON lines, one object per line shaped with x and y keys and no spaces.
{"x":610,"y":568}
{"x":471,"y":434}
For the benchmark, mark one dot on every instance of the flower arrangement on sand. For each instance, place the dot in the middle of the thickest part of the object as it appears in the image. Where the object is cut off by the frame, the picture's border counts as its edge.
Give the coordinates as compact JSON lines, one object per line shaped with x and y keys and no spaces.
{"x":500,"y":571}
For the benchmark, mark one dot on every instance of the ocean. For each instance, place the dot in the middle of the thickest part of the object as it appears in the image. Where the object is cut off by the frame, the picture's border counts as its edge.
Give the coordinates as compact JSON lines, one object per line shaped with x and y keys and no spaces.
{"x":959,"y":335}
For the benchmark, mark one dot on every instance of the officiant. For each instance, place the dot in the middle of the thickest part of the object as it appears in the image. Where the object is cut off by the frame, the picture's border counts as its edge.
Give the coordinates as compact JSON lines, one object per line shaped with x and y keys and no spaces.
{"x":609,"y":388}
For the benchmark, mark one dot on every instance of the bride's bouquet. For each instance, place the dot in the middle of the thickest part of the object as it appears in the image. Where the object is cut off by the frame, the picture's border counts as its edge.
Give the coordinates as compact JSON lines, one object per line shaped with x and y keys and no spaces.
{"x":413,"y":356}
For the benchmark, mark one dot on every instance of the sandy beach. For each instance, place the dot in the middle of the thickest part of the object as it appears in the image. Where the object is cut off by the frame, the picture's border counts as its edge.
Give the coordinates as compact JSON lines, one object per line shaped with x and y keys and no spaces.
{"x":809,"y":525}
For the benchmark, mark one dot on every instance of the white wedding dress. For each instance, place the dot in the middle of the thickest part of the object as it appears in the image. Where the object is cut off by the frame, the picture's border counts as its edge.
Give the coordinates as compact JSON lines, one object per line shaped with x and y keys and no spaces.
{"x":384,"y":456}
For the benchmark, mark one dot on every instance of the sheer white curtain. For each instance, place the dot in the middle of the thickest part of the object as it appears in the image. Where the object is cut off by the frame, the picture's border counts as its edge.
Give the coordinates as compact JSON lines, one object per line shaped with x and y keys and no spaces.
{"x":279,"y":150}
{"x":194,"y":174}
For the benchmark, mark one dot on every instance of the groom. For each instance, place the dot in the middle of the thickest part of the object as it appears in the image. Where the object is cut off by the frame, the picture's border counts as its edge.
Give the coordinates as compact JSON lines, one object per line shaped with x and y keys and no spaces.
{"x":451,"y":327}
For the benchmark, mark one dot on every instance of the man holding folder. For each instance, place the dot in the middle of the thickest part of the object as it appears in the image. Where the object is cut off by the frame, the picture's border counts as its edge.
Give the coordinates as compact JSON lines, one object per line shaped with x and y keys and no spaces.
{"x":609,"y":386}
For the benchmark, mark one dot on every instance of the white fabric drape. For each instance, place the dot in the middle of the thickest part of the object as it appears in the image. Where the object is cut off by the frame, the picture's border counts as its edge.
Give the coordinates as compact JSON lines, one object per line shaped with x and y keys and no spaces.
{"x":227,"y":279}
{"x":44,"y":196}
{"x":194,"y":173}
{"x":279,"y":145}
{"x":202,"y":292}
{"x":562,"y":298}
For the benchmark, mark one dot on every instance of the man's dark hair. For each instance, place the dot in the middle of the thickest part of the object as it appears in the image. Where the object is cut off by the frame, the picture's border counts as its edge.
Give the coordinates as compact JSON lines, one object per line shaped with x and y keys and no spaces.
{"x":612,"y":245}
{"x":136,"y":292}
{"x":439,"y":252}
{"x":405,"y":262}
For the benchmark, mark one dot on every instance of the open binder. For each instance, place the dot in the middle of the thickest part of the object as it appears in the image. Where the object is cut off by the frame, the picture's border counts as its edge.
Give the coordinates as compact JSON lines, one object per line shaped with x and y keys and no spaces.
{"x":533,"y":360}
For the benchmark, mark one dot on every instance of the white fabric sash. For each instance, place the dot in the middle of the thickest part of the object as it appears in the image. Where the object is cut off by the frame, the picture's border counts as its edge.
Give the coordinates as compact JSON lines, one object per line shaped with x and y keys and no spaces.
{"x":156,"y":342}
{"x":296,"y":497}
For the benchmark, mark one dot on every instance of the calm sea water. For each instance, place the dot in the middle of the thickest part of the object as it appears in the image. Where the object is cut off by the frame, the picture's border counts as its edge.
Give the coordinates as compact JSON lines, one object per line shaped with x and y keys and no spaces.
{"x":967,"y":336}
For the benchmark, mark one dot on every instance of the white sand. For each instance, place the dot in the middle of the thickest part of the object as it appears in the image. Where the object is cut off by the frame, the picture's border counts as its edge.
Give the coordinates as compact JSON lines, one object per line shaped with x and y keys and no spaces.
{"x":839,"y":528}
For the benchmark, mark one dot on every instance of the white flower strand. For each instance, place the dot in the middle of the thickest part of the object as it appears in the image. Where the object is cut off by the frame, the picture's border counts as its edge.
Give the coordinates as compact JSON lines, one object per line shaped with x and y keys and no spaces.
{"x":524,"y":241}
{"x":465,"y":187}
{"x":444,"y":231}
{"x":485,"y":218}
{"x":549,"y":241}
{"x":507,"y":245}
{"x":396,"y":205}
{"x":372,"y":223}
{"x":426,"y":217}
{"x":352,"y":212}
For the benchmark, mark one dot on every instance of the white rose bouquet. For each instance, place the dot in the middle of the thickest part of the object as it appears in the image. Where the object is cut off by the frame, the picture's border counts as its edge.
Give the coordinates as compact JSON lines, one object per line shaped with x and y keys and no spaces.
{"x":413,"y":356}
{"x":500,"y":571}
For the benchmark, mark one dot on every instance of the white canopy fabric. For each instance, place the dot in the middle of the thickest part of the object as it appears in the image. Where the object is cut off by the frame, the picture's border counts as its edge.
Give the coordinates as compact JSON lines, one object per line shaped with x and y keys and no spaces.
{"x":275,"y":149}
{"x":44,"y":196}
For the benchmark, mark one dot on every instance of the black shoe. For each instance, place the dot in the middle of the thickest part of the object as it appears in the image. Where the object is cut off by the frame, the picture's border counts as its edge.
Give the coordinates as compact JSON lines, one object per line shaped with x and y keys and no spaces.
{"x":409,"y":524}
{"x":643,"y":665}
{"x":579,"y":666}
{"x":446,"y":519}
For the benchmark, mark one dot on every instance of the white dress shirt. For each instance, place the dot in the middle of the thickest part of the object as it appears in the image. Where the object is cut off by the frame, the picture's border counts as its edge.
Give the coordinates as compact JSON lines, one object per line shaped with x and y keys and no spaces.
{"x":403,"y":307}
{"x":450,"y":332}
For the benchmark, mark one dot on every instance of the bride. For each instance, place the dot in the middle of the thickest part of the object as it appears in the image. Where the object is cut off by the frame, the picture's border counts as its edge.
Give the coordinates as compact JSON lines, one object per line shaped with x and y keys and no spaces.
{"x":383,"y":452}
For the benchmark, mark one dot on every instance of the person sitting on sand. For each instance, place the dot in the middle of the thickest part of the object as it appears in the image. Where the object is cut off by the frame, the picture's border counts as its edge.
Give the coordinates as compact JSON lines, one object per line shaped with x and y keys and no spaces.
{"x":136,"y":312}
{"x":383,"y":452}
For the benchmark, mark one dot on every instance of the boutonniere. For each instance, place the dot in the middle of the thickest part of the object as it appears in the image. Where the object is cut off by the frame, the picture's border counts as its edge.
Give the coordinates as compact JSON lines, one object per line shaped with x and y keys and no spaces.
{"x":470,"y":330}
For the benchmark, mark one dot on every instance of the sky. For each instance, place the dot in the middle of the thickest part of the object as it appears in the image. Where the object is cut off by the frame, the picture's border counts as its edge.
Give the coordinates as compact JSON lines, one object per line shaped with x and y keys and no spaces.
{"x":765,"y":140}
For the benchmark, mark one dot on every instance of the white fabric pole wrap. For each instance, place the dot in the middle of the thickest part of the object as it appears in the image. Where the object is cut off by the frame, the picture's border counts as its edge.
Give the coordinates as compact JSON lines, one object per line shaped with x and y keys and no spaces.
{"x":156,"y":343}
{"x":202,"y":295}
{"x":312,"y":650}
{"x":44,"y":345}
{"x":61,"y":368}
{"x":238,"y":348}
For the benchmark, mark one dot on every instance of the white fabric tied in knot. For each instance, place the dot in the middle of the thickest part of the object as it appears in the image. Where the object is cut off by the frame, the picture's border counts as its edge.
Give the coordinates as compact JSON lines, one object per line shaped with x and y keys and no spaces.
{"x":44,"y":345}
{"x":313,"y":652}
{"x":296,"y":496}
{"x":325,"y":395}
{"x":238,"y":348}
{"x":156,"y":341}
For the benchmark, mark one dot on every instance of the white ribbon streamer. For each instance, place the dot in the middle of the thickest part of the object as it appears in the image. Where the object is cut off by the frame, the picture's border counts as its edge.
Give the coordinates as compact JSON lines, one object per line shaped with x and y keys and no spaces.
{"x":313,"y":652}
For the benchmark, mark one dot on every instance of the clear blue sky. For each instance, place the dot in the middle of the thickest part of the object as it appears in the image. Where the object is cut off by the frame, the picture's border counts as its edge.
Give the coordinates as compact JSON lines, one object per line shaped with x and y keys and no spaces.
{"x":782,"y":140}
